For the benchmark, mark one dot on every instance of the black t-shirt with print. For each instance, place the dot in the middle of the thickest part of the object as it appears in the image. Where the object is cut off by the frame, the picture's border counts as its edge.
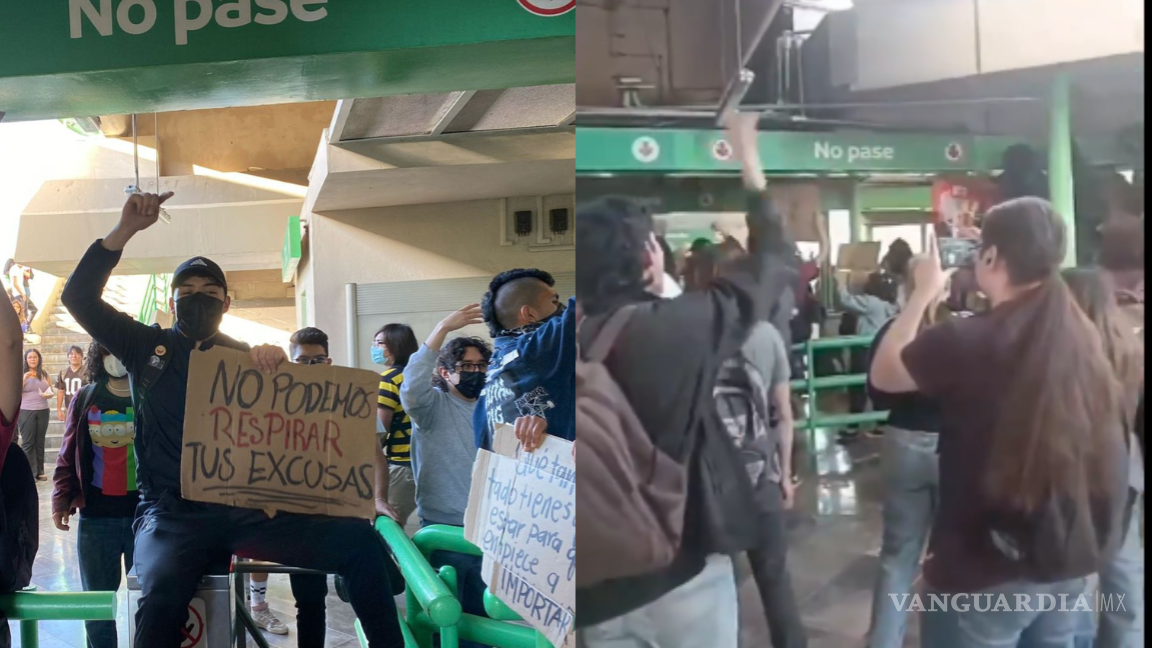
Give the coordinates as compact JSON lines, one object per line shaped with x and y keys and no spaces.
{"x":109,"y":457}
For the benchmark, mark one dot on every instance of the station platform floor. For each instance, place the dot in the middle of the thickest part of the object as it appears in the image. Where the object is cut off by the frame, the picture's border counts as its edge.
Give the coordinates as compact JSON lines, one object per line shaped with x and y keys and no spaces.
{"x":835,"y":532}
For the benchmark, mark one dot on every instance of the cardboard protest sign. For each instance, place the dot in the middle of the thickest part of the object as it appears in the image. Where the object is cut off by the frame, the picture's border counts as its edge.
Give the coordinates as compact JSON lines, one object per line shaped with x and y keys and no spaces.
{"x":522,"y":515}
{"x":800,"y":205}
{"x":864,"y":255}
{"x":297,"y":441}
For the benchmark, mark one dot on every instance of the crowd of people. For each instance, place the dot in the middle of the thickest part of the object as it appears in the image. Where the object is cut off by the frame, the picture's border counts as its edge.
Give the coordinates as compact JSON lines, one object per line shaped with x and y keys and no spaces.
{"x":117,"y":476}
{"x":1013,"y":449}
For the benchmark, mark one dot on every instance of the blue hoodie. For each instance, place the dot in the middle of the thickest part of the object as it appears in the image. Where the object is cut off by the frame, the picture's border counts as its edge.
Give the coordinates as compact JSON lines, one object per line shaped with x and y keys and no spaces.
{"x":532,"y":374}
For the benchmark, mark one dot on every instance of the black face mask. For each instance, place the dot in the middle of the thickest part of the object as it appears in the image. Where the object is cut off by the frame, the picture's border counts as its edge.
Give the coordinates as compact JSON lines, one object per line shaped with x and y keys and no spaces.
{"x":198,"y":316}
{"x":471,"y":384}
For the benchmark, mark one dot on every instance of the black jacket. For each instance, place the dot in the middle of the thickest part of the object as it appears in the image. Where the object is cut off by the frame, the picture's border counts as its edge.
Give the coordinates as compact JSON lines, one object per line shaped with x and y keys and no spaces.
{"x":666,"y":362}
{"x":159,"y":415}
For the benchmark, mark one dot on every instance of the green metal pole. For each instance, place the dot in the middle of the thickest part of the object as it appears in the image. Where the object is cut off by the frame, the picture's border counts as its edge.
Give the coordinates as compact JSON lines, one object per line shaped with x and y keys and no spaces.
{"x":59,"y":606}
{"x":29,"y":634}
{"x":430,"y":591}
{"x":449,"y":635}
{"x":1060,"y":180}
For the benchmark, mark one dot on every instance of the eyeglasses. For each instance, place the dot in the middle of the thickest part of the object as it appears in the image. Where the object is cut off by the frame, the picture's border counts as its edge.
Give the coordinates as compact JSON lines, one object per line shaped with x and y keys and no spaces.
{"x":312,"y":361}
{"x":471,"y":367}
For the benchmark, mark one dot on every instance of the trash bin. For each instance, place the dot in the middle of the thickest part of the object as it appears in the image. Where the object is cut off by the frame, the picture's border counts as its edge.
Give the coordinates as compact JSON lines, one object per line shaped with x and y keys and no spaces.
{"x":209,"y":613}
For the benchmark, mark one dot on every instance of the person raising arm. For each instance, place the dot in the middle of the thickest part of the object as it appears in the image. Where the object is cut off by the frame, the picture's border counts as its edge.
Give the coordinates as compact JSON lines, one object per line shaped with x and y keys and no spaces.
{"x":888,"y":371}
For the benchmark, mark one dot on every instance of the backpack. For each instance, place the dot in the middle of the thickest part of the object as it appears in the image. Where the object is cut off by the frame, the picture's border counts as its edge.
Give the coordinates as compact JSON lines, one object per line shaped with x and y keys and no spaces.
{"x":741,"y":399}
{"x":630,"y":518}
{"x":19,"y":521}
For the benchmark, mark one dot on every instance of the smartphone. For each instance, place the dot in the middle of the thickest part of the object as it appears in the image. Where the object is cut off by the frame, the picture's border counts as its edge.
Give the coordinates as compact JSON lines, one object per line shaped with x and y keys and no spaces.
{"x":958,"y":252}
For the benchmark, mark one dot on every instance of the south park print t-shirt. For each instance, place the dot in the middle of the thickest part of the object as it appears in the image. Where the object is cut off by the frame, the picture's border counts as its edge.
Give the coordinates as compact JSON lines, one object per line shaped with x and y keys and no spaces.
{"x":111,"y":458}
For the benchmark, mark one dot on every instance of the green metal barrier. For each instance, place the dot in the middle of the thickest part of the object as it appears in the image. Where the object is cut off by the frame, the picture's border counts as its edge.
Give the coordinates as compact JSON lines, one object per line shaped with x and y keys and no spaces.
{"x":503,"y":630}
{"x":30,"y":608}
{"x":431,"y":605}
{"x":810,"y":385}
{"x":155,"y":298}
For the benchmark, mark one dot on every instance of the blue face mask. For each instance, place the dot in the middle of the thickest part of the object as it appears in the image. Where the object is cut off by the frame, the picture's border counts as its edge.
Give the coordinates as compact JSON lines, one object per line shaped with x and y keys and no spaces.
{"x":378,"y":355}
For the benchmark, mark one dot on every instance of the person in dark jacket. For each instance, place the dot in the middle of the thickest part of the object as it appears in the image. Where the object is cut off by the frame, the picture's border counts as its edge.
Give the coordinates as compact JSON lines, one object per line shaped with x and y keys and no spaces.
{"x":177,"y":540}
{"x":96,"y":476}
{"x":665,"y":362}
{"x":533,"y":367}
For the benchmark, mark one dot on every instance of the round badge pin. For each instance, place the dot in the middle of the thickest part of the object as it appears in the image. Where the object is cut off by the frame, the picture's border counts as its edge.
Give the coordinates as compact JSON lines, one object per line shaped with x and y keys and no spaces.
{"x":548,"y":8}
{"x":160,"y":351}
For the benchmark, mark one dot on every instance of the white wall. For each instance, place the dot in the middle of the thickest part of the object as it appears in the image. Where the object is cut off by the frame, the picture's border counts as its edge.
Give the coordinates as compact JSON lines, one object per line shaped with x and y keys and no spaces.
{"x":1031,"y":33}
{"x":903,"y":42}
{"x":407,"y":243}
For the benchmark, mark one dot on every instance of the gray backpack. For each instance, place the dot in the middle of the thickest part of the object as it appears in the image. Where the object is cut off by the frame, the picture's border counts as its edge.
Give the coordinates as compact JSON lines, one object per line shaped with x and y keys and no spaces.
{"x":741,"y":395}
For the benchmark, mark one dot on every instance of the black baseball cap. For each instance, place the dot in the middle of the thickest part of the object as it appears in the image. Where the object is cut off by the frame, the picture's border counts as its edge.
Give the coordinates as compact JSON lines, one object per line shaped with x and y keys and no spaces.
{"x":199,"y":267}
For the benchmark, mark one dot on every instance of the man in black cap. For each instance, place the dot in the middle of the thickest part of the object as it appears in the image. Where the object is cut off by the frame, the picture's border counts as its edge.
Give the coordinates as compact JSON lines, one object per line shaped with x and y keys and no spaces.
{"x":177,"y":540}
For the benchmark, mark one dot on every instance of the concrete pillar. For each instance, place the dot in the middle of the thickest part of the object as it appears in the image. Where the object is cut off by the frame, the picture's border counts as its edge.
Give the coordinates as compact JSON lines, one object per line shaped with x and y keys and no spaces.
{"x":1060,"y":180}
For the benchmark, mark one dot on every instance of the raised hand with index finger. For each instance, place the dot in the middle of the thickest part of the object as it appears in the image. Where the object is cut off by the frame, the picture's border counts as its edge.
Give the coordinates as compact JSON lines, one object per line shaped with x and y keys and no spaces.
{"x":142,"y":211}
{"x":930,"y":278}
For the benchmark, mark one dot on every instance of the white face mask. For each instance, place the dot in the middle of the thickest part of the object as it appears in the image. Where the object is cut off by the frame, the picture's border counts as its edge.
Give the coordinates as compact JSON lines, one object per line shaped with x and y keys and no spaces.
{"x":114,"y":367}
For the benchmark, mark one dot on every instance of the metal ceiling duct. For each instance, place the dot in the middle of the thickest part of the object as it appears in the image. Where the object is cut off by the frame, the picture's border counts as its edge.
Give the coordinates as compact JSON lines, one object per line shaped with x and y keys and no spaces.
{"x":432,"y":115}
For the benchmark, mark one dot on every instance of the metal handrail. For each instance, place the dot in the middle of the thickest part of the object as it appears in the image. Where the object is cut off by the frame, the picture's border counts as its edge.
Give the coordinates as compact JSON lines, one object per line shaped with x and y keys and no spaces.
{"x":501,"y":631}
{"x":811,"y":384}
{"x":155,"y":298}
{"x":245,"y":626}
{"x":31,"y":607}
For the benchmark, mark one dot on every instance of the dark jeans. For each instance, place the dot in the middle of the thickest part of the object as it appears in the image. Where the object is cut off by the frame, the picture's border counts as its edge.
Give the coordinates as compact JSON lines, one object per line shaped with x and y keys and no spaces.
{"x":310,"y":592}
{"x":470,"y":584}
{"x":770,"y":570}
{"x":105,"y":547}
{"x":177,"y":540}
{"x":33,"y":432}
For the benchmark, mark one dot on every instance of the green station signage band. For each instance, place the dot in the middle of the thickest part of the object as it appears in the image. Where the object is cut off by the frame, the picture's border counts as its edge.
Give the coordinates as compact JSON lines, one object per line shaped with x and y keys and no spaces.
{"x":91,"y":57}
{"x":617,"y":150}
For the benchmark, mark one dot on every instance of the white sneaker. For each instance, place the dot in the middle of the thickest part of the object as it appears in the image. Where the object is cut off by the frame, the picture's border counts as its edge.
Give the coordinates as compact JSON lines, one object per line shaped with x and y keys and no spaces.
{"x":268,"y":621}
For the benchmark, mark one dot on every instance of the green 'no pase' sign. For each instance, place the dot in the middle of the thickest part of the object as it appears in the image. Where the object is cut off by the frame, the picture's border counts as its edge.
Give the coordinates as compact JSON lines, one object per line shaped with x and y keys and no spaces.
{"x":80,"y":54}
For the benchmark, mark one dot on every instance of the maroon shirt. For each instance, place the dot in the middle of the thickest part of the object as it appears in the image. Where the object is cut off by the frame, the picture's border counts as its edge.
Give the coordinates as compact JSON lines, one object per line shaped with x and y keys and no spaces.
{"x":960,"y":364}
{"x":967,"y":365}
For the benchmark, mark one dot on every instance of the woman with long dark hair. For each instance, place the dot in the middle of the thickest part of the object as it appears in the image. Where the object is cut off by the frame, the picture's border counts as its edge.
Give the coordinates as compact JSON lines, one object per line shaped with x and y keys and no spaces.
{"x":1033,"y":455}
{"x":96,"y":477}
{"x":1122,"y":578}
{"x":34,"y":409}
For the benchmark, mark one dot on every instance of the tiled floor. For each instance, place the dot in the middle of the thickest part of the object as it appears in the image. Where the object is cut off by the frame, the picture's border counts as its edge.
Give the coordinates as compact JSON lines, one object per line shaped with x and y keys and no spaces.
{"x":835,"y":539}
{"x":835,"y":543}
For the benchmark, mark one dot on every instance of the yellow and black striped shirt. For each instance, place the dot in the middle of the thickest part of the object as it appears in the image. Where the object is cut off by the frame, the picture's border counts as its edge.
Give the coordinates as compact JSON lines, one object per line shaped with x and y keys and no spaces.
{"x":398,"y":440}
